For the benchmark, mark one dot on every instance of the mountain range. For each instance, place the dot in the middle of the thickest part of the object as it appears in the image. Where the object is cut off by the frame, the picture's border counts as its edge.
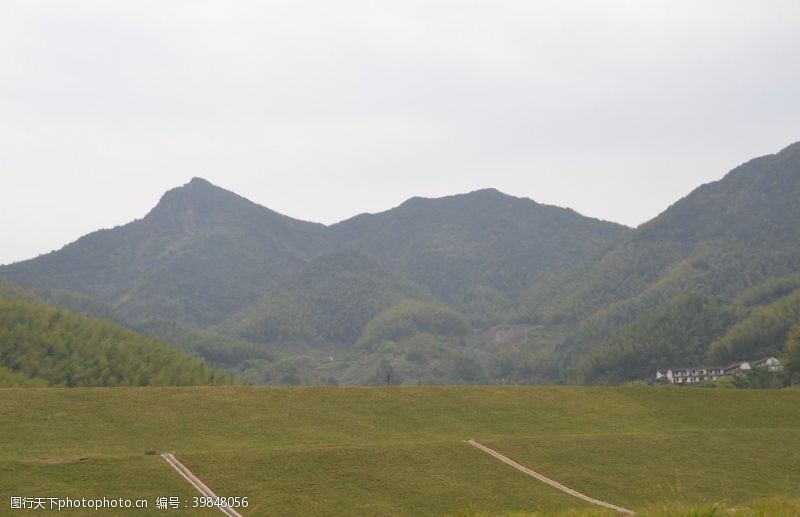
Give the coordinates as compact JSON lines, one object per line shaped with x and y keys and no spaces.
{"x":204,"y":253}
{"x":475,"y":287}
{"x":719,"y":242}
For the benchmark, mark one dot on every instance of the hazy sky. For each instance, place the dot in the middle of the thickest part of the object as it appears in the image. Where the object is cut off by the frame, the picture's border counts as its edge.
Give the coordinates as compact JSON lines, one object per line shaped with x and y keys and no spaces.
{"x":325,"y":109}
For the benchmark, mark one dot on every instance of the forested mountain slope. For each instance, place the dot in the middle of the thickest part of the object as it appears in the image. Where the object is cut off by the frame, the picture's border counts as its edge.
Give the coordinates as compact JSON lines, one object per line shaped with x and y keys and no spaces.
{"x":724,"y":237}
{"x":204,"y":254}
{"x":330,"y":300}
{"x":727,"y":239}
{"x":378,"y":296}
{"x":199,"y":256}
{"x":484,"y":247}
{"x":43,"y":345}
{"x":271,"y":297}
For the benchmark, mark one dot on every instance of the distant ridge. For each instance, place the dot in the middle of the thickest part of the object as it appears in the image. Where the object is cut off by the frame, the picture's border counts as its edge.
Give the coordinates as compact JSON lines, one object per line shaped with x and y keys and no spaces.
{"x":198,"y":256}
{"x":721,"y":240}
{"x":204,"y":253}
{"x":416,"y":293}
{"x":483,"y":238}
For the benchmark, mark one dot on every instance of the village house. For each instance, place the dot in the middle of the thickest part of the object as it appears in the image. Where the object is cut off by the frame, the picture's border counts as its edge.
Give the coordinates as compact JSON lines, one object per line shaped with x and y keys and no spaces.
{"x":772,"y":364}
{"x":738,"y":368}
{"x":689,"y":375}
{"x":697,"y":374}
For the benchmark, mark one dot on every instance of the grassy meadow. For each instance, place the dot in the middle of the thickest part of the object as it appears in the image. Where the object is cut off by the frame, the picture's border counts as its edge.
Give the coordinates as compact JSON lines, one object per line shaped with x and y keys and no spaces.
{"x":401,"y":451}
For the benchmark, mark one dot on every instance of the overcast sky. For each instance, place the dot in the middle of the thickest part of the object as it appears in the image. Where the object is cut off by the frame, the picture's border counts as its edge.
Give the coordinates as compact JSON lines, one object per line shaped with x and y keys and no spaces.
{"x":325,"y":109}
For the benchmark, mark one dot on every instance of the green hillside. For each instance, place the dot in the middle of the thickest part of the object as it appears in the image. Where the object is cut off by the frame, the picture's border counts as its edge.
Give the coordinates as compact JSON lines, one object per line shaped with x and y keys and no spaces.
{"x":47,"y":346}
{"x":215,"y":348}
{"x":762,"y":333}
{"x":204,"y":254}
{"x":199,"y":256}
{"x":12,"y":379}
{"x":273,"y":299}
{"x":401,"y":451}
{"x":329,"y":301}
{"x":725,"y":236}
{"x":284,"y":301}
{"x":791,"y":356}
{"x":733,"y":241}
{"x":477,"y":245}
{"x":676,"y":333}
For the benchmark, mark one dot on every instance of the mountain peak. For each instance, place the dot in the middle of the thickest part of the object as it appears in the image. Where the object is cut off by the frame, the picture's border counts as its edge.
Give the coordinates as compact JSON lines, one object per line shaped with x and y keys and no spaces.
{"x":491,"y":194}
{"x":487,"y":194}
{"x":199,"y":202}
{"x":791,"y":148}
{"x":489,"y":191}
{"x":198,"y":192}
{"x":199,"y":182}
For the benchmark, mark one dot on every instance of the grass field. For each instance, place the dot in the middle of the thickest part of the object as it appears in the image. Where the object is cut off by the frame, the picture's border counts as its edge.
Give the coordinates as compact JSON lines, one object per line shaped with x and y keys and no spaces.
{"x":400,"y":451}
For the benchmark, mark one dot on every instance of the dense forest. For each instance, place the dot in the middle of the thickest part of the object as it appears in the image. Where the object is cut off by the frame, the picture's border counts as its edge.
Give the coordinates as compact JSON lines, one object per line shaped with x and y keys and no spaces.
{"x":203,"y":254}
{"x":478,"y":287}
{"x":696,"y":329}
{"x":734,"y":243}
{"x":42,"y":345}
{"x":330,"y":300}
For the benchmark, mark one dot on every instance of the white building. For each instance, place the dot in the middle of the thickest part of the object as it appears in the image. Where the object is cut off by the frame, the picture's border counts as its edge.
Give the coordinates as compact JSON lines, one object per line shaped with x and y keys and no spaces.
{"x":738,"y":368}
{"x":690,"y":375}
{"x":772,"y":364}
{"x":697,"y":374}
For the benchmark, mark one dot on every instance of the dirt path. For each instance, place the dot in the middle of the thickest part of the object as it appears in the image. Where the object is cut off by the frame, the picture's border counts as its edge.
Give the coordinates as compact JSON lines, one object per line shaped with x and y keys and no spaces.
{"x":544,"y":479}
{"x":195,"y":482}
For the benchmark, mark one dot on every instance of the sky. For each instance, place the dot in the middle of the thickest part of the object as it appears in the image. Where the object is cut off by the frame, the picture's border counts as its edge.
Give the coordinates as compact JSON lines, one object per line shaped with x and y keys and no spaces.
{"x":322,"y":110}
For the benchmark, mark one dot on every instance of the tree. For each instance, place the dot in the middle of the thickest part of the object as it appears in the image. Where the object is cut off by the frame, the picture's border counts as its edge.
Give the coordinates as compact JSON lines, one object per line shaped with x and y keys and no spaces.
{"x":791,"y":354}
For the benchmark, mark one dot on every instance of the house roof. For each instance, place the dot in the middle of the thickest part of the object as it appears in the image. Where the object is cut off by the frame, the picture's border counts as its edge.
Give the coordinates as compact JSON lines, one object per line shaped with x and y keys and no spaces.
{"x":765,"y":359}
{"x":698,"y":368}
{"x":734,"y":365}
